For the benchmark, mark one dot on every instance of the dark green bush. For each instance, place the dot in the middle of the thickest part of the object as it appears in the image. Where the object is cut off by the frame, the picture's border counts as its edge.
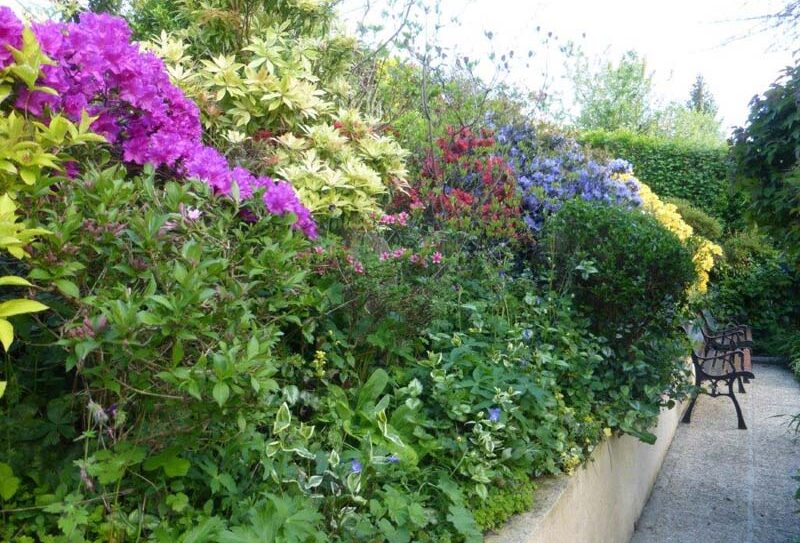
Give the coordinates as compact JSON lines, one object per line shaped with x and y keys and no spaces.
{"x":624,"y":268}
{"x":754,"y":284}
{"x":671,"y":167}
{"x":701,"y":222}
{"x":766,"y":163}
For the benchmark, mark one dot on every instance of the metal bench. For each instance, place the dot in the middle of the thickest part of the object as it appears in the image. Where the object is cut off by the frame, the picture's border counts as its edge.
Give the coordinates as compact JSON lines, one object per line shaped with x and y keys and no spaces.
{"x":721,"y":371}
{"x":723,"y":339}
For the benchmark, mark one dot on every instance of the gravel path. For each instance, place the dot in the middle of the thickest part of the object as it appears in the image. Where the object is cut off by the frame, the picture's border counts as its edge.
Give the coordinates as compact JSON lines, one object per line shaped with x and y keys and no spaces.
{"x":719,"y":484}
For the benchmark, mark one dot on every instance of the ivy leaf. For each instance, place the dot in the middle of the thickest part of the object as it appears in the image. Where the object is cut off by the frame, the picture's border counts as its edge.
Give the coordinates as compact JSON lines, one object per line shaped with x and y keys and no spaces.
{"x":8,"y":483}
{"x":282,"y":420}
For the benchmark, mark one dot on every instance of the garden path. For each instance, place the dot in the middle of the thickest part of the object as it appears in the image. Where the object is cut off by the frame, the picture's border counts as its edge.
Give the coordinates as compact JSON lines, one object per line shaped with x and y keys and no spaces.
{"x":719,"y":484}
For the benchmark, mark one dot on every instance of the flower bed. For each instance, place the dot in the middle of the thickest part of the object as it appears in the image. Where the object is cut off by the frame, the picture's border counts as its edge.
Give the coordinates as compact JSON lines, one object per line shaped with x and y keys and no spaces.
{"x":217,"y":362}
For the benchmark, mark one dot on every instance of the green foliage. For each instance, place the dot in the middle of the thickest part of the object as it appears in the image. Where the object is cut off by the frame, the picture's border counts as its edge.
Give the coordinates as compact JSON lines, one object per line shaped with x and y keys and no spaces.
{"x":277,"y":106}
{"x":201,"y":376}
{"x":700,"y":98}
{"x":612,"y":97}
{"x":504,"y":502}
{"x":753,"y":284}
{"x":766,"y":162}
{"x":701,"y":222}
{"x":690,"y":126}
{"x":629,"y":288}
{"x":672,"y":168}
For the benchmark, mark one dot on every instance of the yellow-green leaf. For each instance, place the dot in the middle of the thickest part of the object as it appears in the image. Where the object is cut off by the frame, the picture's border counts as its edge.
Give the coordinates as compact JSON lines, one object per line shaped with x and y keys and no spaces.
{"x":8,"y":483}
{"x":14,"y":281}
{"x":2,"y":388}
{"x":28,"y":175}
{"x":6,"y":334}
{"x":19,"y":307}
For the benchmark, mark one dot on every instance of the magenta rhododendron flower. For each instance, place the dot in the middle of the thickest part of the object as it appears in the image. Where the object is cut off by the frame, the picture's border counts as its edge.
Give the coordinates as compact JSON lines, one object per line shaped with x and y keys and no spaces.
{"x":10,"y":34}
{"x":138,"y":110}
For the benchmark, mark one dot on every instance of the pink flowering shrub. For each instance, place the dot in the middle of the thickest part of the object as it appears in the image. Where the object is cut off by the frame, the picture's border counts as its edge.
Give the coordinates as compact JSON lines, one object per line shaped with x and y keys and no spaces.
{"x":141,"y":113}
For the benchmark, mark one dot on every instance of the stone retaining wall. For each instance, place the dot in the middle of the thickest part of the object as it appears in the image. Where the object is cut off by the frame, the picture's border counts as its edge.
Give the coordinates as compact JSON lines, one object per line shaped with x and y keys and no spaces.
{"x":602,"y":500}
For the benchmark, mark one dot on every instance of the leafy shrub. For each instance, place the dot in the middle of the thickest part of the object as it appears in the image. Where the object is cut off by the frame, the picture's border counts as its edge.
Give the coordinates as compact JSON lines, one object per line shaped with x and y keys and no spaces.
{"x":277,"y":105}
{"x":701,"y":222}
{"x":672,"y":168}
{"x":467,"y":185}
{"x":765,"y":159}
{"x":629,"y":288}
{"x":134,"y":106}
{"x":755,"y":285}
{"x":147,"y":277}
{"x":704,"y":251}
{"x":206,"y":373}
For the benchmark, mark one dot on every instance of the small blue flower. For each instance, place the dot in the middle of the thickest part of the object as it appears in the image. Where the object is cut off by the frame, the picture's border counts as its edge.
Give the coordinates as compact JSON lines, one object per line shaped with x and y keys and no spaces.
{"x":393,"y":459}
{"x":355,"y":466}
{"x":494,"y":414}
{"x":527,"y":334}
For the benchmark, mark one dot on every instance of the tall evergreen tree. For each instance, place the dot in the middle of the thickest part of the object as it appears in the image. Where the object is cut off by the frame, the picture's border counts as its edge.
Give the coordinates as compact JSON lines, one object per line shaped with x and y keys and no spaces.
{"x":700,"y":97}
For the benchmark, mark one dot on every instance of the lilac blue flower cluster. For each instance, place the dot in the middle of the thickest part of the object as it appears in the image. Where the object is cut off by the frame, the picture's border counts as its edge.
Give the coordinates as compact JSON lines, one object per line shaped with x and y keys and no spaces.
{"x":98,"y":70}
{"x":552,"y":168}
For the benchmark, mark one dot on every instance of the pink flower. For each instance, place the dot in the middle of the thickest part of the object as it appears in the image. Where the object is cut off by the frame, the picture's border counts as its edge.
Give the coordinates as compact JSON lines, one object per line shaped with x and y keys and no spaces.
{"x":401,"y":219}
{"x":436,"y":258}
{"x":189,"y":213}
{"x":319,"y":250}
{"x":385,"y":256}
{"x":415,"y":259}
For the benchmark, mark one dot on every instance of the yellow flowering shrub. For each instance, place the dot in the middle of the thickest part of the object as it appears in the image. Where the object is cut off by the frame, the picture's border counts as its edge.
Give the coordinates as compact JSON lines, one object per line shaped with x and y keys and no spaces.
{"x":668,"y":215}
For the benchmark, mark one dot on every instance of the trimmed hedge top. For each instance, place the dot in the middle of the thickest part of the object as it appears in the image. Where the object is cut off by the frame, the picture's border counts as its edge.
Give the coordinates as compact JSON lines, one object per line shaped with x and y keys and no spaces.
{"x":673,"y":168}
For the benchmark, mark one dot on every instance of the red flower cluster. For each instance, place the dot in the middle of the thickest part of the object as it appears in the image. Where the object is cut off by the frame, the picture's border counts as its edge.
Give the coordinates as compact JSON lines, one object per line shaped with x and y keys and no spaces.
{"x":469,"y":185}
{"x":463,"y":141}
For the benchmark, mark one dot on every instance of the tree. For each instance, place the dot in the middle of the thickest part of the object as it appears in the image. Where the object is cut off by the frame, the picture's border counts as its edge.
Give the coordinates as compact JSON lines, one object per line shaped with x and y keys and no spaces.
{"x":614,"y":96}
{"x":700,"y":97}
{"x":685,"y":123}
{"x":784,"y":22}
{"x":766,"y":161}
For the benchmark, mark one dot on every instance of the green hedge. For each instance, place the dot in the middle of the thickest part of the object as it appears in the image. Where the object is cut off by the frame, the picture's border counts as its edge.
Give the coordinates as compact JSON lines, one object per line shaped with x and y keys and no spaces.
{"x":671,"y":167}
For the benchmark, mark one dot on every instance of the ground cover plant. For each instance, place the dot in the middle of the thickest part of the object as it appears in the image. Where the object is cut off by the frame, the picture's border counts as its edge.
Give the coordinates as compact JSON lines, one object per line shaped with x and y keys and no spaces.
{"x":268,"y":329}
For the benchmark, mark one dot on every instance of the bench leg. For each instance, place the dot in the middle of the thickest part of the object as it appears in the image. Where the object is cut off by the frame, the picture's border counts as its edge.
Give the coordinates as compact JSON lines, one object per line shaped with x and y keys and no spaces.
{"x":742,"y":425}
{"x":687,"y":417}
{"x":741,"y":385}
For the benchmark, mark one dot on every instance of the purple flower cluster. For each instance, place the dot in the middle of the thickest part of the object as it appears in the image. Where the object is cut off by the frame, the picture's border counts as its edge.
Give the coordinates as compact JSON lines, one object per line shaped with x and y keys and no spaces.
{"x":552,"y":169}
{"x":139,"y":111}
{"x":10,"y":35}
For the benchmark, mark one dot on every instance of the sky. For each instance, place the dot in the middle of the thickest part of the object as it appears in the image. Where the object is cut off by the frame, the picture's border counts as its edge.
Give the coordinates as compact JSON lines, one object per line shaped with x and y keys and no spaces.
{"x":678,"y":38}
